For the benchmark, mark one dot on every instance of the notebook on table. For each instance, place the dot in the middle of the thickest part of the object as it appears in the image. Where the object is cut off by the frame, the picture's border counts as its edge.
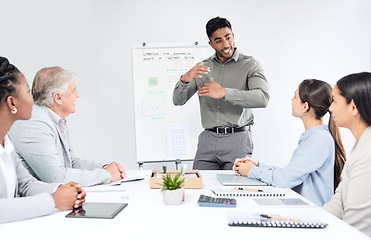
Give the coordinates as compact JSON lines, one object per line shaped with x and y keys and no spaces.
{"x":237,"y":180}
{"x":275,"y":221}
{"x":231,"y":192}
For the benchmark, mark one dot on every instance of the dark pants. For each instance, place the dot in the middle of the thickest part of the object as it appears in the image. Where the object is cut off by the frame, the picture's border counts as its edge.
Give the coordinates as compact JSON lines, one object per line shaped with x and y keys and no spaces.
{"x":218,"y":151}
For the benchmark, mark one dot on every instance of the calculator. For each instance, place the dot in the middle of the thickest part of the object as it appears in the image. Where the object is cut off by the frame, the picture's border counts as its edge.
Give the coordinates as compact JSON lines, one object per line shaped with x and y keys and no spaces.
{"x":207,"y":201}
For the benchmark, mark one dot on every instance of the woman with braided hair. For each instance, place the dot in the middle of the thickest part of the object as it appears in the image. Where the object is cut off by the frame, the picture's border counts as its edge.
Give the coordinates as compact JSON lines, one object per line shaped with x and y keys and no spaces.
{"x":21,"y":195}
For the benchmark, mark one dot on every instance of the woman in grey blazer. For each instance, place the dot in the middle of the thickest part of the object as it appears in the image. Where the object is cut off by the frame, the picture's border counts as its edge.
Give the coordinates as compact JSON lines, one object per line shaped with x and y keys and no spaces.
{"x":351,"y":108}
{"x":21,"y":195}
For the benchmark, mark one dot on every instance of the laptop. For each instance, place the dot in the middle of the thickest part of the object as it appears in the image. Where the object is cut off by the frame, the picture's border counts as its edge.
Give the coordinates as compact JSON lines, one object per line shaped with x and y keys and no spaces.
{"x":280,"y":202}
{"x":237,"y":180}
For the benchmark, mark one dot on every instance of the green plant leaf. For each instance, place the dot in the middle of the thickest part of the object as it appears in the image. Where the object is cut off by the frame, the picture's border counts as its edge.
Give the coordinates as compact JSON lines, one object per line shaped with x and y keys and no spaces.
{"x":171,"y":183}
{"x":176,"y":178}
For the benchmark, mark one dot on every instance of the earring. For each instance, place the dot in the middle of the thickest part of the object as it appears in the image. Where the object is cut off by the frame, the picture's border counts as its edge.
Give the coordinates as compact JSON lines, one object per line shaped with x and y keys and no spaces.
{"x":14,"y":110}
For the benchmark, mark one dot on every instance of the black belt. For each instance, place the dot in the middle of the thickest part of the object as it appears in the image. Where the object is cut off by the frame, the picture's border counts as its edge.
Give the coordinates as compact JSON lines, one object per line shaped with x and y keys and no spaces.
{"x":225,"y":130}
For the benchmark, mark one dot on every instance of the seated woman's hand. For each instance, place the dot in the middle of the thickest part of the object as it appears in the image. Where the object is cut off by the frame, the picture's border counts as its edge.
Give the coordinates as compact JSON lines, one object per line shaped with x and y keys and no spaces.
{"x":69,"y":196}
{"x":81,"y":194}
{"x":243,"y":168}
{"x":255,"y":162}
{"x":236,"y":161}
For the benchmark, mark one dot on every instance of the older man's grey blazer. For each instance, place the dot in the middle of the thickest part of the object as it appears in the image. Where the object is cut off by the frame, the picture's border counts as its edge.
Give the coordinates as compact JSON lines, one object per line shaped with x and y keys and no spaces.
{"x":32,"y":197}
{"x":47,"y":157}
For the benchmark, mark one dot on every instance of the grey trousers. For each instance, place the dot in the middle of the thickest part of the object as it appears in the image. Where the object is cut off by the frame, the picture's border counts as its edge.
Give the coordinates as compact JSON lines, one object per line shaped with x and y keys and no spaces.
{"x":218,"y":151}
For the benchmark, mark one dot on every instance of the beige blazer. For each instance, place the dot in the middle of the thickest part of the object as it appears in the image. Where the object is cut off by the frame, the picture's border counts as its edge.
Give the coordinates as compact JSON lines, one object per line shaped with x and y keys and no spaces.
{"x":352,"y":199}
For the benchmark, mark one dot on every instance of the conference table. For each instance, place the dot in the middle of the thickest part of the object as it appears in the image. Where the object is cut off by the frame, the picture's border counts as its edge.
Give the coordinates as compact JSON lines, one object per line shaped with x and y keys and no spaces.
{"x":147,"y":217}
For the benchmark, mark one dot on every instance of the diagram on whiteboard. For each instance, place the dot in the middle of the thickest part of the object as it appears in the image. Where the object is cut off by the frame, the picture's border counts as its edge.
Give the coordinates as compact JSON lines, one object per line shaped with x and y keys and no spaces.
{"x":164,"y":131}
{"x":155,"y":105}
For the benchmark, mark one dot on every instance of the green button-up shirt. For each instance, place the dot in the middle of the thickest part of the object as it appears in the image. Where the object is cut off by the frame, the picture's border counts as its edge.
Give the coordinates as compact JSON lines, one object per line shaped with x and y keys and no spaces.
{"x":245,"y":87}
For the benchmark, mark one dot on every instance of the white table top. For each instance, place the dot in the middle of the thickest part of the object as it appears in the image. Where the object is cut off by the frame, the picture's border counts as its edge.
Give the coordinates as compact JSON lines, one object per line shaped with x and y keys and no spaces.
{"x":146,"y":216}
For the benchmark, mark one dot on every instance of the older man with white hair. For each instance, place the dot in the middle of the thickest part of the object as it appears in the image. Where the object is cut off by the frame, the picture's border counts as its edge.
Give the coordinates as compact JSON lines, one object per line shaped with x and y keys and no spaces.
{"x":43,"y":142}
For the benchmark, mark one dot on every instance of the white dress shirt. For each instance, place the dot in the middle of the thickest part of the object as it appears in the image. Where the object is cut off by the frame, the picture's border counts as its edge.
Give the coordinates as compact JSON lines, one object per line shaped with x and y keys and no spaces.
{"x":7,"y":167}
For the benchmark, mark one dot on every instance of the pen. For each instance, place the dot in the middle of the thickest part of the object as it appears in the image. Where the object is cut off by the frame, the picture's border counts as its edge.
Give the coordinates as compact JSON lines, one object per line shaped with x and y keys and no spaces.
{"x":280,"y":217}
{"x":248,"y":189}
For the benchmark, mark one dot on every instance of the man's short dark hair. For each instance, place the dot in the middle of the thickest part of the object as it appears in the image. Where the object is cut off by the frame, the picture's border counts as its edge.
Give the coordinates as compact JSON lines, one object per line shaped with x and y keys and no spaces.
{"x":215,"y":24}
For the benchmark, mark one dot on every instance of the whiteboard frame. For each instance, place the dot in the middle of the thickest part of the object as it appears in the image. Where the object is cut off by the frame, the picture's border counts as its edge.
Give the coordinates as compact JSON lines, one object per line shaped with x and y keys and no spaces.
{"x":145,"y":45}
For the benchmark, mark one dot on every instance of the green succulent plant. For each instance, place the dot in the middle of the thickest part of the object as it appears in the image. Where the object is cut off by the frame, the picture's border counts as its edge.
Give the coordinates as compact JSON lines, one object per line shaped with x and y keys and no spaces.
{"x":169,"y":183}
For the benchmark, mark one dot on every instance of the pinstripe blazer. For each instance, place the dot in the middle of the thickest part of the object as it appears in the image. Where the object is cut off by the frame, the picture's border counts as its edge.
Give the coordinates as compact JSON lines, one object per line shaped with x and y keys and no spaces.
{"x":47,"y":157}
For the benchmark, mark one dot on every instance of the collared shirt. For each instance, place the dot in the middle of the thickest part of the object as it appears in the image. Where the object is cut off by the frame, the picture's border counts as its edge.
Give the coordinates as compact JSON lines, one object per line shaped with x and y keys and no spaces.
{"x":245,"y":87}
{"x":60,"y":123}
{"x":310,"y":171}
{"x":7,"y":167}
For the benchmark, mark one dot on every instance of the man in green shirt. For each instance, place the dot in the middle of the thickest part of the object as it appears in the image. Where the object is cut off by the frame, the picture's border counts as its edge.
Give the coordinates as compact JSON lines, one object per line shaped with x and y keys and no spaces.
{"x":229,"y":84}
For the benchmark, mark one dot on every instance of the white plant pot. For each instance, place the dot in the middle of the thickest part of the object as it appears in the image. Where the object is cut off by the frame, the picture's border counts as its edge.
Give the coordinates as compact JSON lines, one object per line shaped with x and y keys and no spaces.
{"x":173,"y":197}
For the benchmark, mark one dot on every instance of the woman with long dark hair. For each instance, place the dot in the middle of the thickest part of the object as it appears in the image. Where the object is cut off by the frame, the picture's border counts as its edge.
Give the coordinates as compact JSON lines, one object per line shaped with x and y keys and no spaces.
{"x":351,"y":109}
{"x":316,"y":164}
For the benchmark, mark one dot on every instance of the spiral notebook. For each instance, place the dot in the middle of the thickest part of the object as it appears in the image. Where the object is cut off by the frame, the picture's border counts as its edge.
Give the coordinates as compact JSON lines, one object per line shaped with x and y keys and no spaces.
{"x":275,"y":221}
{"x":231,"y":192}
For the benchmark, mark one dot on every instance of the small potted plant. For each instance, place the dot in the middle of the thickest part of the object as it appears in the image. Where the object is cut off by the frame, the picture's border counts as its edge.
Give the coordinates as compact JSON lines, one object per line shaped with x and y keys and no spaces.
{"x":172,"y":190}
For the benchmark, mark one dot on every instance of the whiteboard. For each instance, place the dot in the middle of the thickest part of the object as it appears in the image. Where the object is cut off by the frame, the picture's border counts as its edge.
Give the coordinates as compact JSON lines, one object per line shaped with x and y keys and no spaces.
{"x":164,"y":131}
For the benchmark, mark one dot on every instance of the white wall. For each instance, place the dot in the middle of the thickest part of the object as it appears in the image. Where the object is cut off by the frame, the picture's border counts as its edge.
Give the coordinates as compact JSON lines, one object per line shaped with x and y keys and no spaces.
{"x":294,"y":40}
